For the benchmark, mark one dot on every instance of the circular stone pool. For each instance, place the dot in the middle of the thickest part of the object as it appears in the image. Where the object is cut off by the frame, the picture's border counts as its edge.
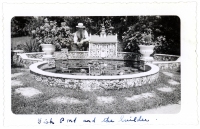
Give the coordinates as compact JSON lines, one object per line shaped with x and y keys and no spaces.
{"x":94,"y":74}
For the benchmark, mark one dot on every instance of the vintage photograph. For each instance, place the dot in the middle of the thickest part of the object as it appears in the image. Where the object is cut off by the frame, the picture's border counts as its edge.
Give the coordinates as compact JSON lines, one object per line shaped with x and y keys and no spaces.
{"x":96,"y":64}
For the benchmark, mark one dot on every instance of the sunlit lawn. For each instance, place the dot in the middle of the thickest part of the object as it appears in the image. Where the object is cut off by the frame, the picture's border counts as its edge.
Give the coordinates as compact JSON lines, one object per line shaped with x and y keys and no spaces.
{"x":40,"y":105}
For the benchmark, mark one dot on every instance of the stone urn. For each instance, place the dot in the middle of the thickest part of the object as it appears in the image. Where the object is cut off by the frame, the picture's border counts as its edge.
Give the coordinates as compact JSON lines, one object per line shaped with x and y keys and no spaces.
{"x":146,"y":51}
{"x":49,"y":49}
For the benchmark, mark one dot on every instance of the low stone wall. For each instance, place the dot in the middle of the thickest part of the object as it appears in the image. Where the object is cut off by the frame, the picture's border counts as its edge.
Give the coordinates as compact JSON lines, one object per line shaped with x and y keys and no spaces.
{"x":171,"y":66}
{"x":165,"y":57}
{"x":37,"y":55}
{"x":25,"y":61}
{"x":163,"y":61}
{"x":72,"y":55}
{"x":89,"y":83}
{"x":85,"y":55}
{"x":15,"y":57}
{"x":128,"y":56}
{"x":167,"y":62}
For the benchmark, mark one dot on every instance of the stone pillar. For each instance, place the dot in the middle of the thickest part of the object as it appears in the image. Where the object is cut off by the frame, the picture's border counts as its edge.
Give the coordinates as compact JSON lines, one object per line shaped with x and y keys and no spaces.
{"x":15,"y":59}
{"x":61,"y":60}
{"x":50,"y":60}
{"x":64,"y":54}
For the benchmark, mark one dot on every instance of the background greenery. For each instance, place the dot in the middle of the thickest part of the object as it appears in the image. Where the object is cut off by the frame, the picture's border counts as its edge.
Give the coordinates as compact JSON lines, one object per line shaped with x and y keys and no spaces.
{"x":169,"y":26}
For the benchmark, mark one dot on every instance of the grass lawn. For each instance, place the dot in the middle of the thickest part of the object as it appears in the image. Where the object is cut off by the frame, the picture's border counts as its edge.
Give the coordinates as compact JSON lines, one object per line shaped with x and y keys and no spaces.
{"x":124,"y":101}
{"x":19,"y":40}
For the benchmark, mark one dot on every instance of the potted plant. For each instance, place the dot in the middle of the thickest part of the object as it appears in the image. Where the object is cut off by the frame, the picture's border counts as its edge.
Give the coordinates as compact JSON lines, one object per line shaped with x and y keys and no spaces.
{"x":45,"y":36}
{"x":51,"y":37}
{"x":146,"y":45}
{"x":144,"y":36}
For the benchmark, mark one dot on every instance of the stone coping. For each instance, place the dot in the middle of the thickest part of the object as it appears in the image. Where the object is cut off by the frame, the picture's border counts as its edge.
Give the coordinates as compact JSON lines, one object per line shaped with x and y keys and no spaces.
{"x":35,"y":69}
{"x":103,"y":42}
{"x":114,"y":59}
{"x":25,"y":57}
{"x":17,"y":51}
{"x":166,"y":55}
{"x":129,"y":52}
{"x":78,"y":51}
{"x":35,"y":53}
{"x":88,"y":51}
{"x":165,"y":62}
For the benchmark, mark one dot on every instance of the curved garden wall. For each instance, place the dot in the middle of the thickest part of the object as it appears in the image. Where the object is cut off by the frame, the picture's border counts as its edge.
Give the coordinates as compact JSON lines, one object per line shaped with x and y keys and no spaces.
{"x":94,"y":82}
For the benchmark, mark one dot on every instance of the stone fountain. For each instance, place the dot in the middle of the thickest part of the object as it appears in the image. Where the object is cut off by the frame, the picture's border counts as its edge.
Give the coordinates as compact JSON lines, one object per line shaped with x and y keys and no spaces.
{"x":102,"y":50}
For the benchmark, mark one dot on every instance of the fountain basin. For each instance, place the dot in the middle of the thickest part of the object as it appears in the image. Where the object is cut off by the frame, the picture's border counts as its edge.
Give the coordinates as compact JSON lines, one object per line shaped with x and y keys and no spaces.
{"x":161,"y":61}
{"x":89,"y":83}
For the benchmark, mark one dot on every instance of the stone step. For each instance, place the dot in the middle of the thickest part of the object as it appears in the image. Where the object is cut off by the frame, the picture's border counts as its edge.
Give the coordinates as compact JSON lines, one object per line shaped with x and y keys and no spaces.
{"x":66,"y":100}
{"x":170,"y":75}
{"x":15,"y":75}
{"x":140,"y":97}
{"x":172,"y":82}
{"x":16,"y":83}
{"x":105,"y":100}
{"x":28,"y":92}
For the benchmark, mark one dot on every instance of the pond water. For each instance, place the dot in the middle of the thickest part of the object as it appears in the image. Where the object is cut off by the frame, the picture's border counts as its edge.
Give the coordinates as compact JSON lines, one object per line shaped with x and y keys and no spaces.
{"x":96,"y":67}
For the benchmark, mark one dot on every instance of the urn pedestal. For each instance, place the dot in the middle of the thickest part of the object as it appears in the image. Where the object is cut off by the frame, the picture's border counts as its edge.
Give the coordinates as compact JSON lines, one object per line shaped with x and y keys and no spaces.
{"x":49,"y":49}
{"x":146,"y":51}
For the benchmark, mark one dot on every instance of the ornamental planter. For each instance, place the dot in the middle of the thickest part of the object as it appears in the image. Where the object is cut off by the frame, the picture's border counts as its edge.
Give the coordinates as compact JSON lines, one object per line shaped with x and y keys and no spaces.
{"x":49,"y":49}
{"x":146,"y":51}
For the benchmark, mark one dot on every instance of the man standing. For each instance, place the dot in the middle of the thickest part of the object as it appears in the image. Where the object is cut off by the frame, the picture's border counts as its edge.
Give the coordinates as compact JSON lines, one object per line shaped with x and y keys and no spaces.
{"x":81,"y":37}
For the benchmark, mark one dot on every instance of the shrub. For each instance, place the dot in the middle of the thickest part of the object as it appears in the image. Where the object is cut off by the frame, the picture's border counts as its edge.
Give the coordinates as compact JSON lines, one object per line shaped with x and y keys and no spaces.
{"x":145,"y":32}
{"x":161,"y":31}
{"x":31,"y":46}
{"x":50,"y":33}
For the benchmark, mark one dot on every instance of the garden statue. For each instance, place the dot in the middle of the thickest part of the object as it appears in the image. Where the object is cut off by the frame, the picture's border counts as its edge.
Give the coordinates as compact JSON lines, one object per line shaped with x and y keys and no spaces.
{"x":81,"y":37}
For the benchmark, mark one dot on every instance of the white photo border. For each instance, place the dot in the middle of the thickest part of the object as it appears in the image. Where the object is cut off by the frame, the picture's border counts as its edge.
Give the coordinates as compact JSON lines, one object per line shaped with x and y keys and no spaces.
{"x":186,"y":12}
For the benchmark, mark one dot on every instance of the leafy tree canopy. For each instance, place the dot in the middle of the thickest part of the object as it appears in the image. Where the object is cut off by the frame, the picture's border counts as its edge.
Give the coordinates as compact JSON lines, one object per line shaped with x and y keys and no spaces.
{"x":169,"y":26}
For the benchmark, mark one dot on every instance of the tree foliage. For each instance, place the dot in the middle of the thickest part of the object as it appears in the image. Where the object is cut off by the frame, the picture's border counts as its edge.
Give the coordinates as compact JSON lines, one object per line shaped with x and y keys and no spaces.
{"x":164,"y":34}
{"x":168,"y":26}
{"x":19,"y":26}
